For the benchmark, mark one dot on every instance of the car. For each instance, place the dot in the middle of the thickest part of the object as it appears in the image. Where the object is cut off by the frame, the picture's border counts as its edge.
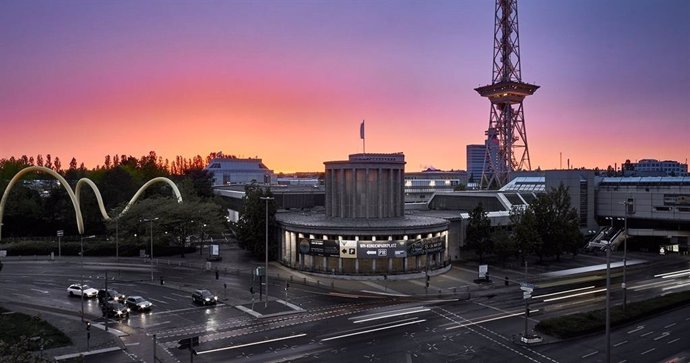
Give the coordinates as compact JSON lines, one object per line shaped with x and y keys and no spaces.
{"x":113,"y":309}
{"x":138,"y":303}
{"x":110,"y":294}
{"x":204,"y":297}
{"x":76,"y":290}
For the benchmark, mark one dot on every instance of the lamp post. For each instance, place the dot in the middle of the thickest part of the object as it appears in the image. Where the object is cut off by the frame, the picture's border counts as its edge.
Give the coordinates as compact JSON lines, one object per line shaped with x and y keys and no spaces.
{"x":117,"y":239}
{"x":81,"y":258}
{"x":266,"y":268}
{"x":608,"y":302}
{"x":150,"y":220}
{"x":625,"y":255}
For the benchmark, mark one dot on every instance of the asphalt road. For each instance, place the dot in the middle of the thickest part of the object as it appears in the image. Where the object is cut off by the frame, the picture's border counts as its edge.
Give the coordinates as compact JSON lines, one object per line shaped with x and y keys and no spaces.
{"x":345,"y":327}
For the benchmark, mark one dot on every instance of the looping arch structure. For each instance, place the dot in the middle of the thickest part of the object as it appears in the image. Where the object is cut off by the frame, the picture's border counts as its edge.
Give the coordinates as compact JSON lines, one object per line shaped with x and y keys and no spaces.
{"x":74,"y":195}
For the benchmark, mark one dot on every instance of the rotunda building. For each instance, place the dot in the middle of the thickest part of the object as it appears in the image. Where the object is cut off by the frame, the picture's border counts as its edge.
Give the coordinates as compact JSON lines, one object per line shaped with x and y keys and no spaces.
{"x":364,"y":229}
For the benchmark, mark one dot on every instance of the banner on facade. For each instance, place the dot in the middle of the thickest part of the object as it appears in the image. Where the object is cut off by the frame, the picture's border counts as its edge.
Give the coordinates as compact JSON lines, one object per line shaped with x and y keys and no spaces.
{"x":423,"y":246}
{"x":327,"y":248}
{"x":381,"y":249}
{"x":347,"y":249}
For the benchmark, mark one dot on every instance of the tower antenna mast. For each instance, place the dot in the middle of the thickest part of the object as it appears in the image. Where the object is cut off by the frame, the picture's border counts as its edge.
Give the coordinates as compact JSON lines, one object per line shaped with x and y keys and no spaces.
{"x":506,"y":137}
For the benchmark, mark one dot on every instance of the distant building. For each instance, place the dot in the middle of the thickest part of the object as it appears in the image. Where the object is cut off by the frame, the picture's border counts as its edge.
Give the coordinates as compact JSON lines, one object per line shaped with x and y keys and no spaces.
{"x":653,"y":167}
{"x":475,"y":162}
{"x":230,"y":170}
{"x":420,"y":186}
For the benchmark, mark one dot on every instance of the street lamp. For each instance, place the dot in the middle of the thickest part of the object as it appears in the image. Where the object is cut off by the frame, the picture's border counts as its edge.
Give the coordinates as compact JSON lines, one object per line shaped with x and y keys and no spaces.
{"x":608,"y":301}
{"x":266,"y":268}
{"x":81,"y":253}
{"x":625,"y":254}
{"x":150,"y":220}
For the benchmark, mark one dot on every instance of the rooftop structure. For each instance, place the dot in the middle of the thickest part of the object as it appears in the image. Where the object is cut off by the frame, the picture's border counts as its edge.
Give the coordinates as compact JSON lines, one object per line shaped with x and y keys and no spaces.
{"x":506,"y":144}
{"x":230,"y":170}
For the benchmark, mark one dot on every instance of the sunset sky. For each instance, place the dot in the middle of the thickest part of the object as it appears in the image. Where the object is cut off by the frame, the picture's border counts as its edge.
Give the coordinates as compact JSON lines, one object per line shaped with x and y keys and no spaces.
{"x":290,"y":81}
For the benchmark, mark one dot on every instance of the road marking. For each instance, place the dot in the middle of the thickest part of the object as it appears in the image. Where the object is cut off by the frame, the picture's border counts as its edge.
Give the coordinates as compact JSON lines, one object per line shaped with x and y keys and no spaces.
{"x":670,"y":325}
{"x":484,"y":321}
{"x":663,"y":335}
{"x":373,"y":330}
{"x":623,"y":361}
{"x":184,"y":296}
{"x":620,"y":343}
{"x":673,"y":341}
{"x":41,"y":291}
{"x":590,"y":354}
{"x":250,"y":344}
{"x":371,"y":317}
{"x":648,"y":351}
{"x":645,"y":334}
{"x":157,"y":324}
{"x":639,"y":327}
{"x":160,"y":301}
{"x":169,"y":298}
{"x":130,"y":344}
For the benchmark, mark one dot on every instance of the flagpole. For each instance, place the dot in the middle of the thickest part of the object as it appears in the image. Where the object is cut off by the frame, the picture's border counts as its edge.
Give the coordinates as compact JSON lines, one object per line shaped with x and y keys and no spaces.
{"x":362,"y":136}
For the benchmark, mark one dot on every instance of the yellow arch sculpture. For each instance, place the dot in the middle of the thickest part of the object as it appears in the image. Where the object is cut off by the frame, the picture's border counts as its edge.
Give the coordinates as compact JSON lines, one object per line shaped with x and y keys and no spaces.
{"x":74,"y":195}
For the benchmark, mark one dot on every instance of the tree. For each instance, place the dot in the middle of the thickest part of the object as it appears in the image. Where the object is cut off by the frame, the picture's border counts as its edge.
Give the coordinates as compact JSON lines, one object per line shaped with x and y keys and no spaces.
{"x":479,"y":232}
{"x":250,"y":228}
{"x":503,"y":244}
{"x":527,"y":239}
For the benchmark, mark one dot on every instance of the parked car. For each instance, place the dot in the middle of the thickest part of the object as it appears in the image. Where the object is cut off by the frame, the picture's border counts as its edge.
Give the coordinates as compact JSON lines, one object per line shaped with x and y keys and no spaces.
{"x":113,"y":309}
{"x":76,"y":290}
{"x":138,"y":303}
{"x":204,"y":297}
{"x":110,"y":294}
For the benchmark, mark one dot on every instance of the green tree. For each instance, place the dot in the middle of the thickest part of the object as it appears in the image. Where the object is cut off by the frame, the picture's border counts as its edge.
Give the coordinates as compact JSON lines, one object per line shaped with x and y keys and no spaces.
{"x":525,"y":234}
{"x":503,"y":245}
{"x":250,"y":228}
{"x":479,"y":232}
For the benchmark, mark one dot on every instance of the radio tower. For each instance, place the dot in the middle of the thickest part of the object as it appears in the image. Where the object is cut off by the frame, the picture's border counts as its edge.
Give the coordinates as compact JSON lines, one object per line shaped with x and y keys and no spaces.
{"x":506,"y":138}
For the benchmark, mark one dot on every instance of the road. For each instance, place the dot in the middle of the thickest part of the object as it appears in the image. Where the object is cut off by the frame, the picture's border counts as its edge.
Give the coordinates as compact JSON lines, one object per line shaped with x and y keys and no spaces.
{"x":345,"y":327}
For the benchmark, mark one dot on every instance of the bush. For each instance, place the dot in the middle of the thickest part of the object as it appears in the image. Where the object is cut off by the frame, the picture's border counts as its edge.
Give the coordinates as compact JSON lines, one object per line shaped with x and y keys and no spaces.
{"x":574,"y":325}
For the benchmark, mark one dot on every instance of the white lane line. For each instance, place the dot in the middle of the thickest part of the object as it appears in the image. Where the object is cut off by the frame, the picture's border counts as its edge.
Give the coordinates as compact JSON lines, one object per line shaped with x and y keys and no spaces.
{"x":648,"y":351}
{"x":623,"y":361}
{"x":160,"y":301}
{"x":669,"y":325}
{"x":41,"y":291}
{"x":620,"y":343}
{"x":639,"y":327}
{"x":647,"y":333}
{"x":169,"y":298}
{"x":184,"y":296}
{"x":662,"y":336}
{"x":250,"y":344}
{"x":484,"y":321}
{"x":673,"y":341}
{"x":373,"y":330}
{"x":130,"y":344}
{"x":371,"y":317}
{"x":590,"y":354}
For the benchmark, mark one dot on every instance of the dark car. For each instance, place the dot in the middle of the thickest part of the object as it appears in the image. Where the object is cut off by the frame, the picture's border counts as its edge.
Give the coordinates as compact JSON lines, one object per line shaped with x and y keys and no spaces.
{"x":110,"y":294}
{"x":204,"y":297}
{"x":138,"y":303}
{"x":112,"y":309}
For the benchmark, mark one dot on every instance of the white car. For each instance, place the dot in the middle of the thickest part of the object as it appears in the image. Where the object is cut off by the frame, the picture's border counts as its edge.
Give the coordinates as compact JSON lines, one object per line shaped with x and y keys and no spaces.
{"x":76,"y":290}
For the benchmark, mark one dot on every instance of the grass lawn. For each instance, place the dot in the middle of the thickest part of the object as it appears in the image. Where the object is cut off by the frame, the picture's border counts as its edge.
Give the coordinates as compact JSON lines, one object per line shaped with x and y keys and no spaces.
{"x":16,"y":325}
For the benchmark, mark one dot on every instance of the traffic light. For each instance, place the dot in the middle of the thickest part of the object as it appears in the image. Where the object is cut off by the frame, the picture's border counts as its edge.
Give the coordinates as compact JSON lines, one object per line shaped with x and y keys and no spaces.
{"x":287,"y":285}
{"x":216,"y":274}
{"x":88,"y":325}
{"x":251,"y":289}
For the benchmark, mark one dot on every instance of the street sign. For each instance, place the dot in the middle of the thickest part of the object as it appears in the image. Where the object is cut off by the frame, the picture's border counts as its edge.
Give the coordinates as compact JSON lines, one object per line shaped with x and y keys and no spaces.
{"x":526,"y":286}
{"x":60,"y":233}
{"x":483,"y":269}
{"x":526,"y":295}
{"x":260,"y":271}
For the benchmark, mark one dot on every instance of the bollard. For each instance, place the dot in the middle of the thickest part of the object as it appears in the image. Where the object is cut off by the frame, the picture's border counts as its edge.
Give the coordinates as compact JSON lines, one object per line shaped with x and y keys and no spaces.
{"x":162,"y":282}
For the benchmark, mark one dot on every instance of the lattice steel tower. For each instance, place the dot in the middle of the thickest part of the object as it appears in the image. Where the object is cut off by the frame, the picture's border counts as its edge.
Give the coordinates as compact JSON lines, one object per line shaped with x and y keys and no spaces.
{"x":506,"y":138}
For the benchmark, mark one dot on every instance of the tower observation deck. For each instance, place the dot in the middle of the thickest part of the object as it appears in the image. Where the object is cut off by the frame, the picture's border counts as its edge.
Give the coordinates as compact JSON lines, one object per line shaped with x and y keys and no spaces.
{"x":506,"y":142}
